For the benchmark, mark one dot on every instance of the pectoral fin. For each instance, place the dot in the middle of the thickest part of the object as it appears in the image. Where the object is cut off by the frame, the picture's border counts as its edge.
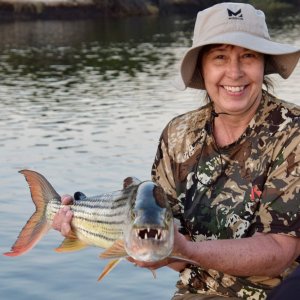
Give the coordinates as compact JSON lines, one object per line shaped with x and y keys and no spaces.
{"x":117,"y":250}
{"x":178,"y":256}
{"x":111,"y":265}
{"x":70,"y":244}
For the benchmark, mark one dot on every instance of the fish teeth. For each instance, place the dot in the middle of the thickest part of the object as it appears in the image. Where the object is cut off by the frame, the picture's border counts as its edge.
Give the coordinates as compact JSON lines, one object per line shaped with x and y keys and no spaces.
{"x":146,"y":234}
{"x":158,"y":232}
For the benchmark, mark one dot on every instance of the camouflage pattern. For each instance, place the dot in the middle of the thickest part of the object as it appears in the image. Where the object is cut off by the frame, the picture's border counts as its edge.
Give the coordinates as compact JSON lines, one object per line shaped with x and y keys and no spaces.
{"x":232,"y":192}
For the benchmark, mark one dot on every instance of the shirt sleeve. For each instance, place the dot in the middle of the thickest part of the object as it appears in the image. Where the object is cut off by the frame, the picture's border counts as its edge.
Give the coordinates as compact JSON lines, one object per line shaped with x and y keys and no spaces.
{"x":279,"y":210}
{"x":162,"y":170}
{"x":163,"y":174}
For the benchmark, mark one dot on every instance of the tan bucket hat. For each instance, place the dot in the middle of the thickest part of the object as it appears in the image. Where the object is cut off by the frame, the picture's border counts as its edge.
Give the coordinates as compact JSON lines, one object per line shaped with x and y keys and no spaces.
{"x":236,"y":24}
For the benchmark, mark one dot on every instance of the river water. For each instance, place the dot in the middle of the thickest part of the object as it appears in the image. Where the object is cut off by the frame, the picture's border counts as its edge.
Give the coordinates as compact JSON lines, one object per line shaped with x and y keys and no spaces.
{"x":84,"y":103}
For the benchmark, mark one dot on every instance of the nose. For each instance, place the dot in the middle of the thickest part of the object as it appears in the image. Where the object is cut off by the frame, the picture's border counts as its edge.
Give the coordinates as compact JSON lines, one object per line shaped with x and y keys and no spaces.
{"x":234,"y":69}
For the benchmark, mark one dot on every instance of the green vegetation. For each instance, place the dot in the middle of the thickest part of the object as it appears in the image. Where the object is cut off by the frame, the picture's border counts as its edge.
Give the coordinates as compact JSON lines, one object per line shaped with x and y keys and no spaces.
{"x":274,"y":8}
{"x":96,"y":8}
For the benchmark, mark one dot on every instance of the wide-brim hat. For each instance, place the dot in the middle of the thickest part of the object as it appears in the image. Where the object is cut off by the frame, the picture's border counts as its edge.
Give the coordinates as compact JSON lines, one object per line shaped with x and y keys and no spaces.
{"x":237,"y":24}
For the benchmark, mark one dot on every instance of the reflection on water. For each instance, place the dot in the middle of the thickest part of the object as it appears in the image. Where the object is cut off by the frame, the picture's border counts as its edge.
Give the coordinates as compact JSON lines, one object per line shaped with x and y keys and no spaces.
{"x":84,"y":103}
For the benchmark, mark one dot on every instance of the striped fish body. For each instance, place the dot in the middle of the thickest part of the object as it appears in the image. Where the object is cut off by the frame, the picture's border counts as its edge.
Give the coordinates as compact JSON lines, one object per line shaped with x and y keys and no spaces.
{"x":98,"y":220}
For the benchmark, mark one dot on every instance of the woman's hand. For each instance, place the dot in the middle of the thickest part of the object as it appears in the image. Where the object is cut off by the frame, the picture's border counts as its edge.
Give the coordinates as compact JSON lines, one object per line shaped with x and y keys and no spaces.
{"x":62,"y":219}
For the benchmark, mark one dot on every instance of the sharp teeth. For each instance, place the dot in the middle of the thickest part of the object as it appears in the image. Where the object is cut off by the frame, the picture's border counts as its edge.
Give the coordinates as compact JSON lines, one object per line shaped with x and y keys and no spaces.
{"x":156,"y":237}
{"x":148,"y":229}
{"x":159,"y":233}
{"x":146,"y":236}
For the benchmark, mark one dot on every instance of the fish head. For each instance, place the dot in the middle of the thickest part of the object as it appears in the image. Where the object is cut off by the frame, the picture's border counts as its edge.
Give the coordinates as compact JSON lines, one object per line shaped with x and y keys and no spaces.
{"x":149,"y":234}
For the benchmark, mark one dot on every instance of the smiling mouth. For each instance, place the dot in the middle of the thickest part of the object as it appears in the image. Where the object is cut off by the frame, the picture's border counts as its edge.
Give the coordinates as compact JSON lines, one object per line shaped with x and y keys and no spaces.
{"x":234,"y":89}
{"x":149,"y":233}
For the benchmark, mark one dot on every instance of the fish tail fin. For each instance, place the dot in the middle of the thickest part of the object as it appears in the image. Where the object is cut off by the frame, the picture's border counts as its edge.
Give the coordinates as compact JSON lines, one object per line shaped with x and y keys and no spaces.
{"x":37,"y":226}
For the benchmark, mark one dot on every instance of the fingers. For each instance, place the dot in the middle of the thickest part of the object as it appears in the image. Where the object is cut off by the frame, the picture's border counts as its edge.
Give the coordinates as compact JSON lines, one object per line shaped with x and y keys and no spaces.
{"x":66,"y":223}
{"x":149,"y":265}
{"x":62,"y":221}
{"x":66,"y":199}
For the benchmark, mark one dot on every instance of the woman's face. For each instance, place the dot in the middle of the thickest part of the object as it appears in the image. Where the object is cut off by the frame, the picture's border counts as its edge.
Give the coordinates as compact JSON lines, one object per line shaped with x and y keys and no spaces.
{"x":233,"y":78}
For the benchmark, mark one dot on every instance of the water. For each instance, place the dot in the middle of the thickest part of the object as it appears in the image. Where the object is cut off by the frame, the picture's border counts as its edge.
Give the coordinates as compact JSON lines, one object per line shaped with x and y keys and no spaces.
{"x":84,"y":103}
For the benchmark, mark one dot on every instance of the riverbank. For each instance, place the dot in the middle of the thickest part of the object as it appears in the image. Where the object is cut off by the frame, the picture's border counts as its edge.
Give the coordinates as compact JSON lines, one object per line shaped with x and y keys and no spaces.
{"x":73,"y":9}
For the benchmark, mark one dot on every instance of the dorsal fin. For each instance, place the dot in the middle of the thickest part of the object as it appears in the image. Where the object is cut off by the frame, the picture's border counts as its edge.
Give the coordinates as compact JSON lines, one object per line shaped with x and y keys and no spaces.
{"x":79,"y":196}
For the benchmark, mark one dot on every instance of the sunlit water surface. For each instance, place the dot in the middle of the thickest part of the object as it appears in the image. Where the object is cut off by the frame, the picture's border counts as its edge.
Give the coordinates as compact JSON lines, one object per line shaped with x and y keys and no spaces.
{"x":84,"y":103}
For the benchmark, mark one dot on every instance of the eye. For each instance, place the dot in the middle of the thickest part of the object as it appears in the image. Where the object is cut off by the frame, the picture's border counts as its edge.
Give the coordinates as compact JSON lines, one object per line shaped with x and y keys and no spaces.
{"x":133,"y":214}
{"x":220,"y":56}
{"x":249,"y":55}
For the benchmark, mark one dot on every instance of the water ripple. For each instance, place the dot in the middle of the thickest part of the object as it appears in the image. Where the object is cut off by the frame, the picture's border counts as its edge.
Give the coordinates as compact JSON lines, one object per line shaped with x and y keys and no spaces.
{"x":84,"y":103}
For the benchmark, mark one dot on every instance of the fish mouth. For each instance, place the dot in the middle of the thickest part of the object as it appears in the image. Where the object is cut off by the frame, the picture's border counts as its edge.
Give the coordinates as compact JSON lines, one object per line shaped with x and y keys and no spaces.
{"x":156,"y":234}
{"x":149,"y":243}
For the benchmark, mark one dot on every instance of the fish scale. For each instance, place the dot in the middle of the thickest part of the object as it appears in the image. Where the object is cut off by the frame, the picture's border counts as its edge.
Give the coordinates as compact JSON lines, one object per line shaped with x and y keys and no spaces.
{"x":97,"y":220}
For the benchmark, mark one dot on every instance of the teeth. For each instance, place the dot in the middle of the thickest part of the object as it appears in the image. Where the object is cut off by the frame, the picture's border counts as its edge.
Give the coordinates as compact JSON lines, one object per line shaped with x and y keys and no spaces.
{"x":144,"y":234}
{"x":159,"y":233}
{"x":234,"y":89}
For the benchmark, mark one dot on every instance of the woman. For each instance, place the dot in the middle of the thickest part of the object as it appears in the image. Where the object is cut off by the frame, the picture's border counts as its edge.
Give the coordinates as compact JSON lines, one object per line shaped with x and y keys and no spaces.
{"x":232,"y":167}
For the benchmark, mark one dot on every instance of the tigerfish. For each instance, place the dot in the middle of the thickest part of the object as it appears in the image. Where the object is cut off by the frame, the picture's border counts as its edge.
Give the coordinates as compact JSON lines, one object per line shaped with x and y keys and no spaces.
{"x":136,"y":221}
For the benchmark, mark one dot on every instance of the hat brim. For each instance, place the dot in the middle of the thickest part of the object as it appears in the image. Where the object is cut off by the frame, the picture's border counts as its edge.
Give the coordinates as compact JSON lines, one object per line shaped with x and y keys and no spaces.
{"x":283,"y":57}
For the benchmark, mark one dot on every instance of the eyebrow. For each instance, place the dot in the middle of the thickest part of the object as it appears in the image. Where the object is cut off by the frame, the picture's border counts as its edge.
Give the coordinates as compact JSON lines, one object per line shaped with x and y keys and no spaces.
{"x":222,"y":48}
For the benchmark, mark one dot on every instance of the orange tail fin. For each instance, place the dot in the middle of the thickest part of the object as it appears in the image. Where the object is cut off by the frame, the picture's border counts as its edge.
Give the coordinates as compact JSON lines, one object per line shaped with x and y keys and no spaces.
{"x":36,"y":227}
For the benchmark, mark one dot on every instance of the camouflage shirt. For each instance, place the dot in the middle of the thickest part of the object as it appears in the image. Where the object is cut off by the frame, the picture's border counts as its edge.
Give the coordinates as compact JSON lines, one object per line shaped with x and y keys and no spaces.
{"x":232,"y":192}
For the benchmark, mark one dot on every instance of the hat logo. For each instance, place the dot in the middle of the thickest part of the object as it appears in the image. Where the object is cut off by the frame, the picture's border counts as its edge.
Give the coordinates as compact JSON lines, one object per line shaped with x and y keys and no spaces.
{"x":235,"y":15}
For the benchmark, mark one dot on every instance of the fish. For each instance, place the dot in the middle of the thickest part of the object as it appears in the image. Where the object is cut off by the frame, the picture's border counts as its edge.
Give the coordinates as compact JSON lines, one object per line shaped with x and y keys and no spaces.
{"x":135,"y":222}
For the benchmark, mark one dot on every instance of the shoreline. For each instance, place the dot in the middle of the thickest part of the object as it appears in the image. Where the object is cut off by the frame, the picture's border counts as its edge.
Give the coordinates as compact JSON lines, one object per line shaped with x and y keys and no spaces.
{"x":72,"y":9}
{"x":13,"y":10}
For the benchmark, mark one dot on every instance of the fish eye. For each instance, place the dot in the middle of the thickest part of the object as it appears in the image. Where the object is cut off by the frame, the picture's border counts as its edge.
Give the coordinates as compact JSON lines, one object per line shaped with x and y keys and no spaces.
{"x":133,"y":214}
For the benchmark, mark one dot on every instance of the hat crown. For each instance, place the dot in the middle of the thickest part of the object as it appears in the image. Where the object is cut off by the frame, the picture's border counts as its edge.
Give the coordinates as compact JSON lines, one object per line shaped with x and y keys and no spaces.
{"x":224,"y":18}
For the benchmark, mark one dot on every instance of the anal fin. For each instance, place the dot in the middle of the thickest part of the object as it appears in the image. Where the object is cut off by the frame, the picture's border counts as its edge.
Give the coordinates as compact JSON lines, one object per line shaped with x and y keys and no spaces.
{"x":110,"y":266}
